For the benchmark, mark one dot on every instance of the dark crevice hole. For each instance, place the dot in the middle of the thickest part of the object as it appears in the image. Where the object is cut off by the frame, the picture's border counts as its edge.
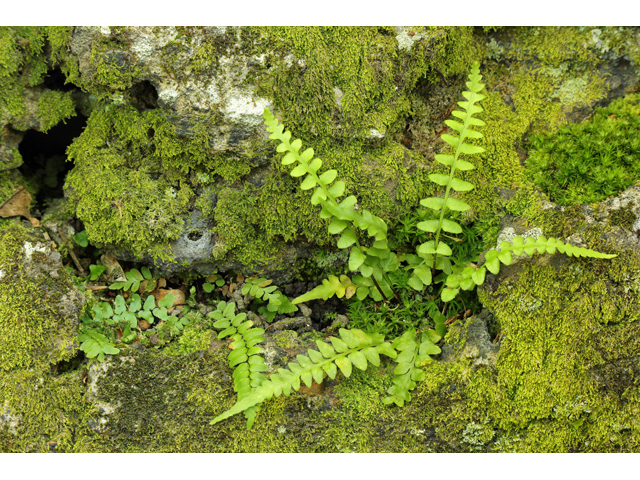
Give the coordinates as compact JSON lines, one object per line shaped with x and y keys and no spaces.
{"x":143,"y":96}
{"x":55,"y":80}
{"x":68,"y":365}
{"x":44,"y":156}
{"x":194,"y":236}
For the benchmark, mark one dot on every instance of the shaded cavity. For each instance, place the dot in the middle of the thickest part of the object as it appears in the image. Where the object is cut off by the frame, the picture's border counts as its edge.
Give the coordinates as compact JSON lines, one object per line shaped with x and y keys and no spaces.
{"x":143,"y":96}
{"x":44,"y":156}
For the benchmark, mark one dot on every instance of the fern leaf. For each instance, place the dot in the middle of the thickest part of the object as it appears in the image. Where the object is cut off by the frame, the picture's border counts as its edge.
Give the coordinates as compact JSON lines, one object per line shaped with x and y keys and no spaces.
{"x":95,"y":344}
{"x":470,"y":276}
{"x":330,"y":286}
{"x":354,"y":347}
{"x":413,"y":355}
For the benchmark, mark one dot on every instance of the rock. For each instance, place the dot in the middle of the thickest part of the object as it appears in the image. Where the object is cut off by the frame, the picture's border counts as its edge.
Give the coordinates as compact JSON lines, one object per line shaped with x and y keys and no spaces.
{"x":474,"y":343}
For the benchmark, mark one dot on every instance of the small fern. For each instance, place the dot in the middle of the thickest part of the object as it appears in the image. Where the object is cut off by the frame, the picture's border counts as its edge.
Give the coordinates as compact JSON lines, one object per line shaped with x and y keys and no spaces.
{"x":413,"y":355}
{"x":261,"y":288}
{"x":95,"y":344}
{"x":346,"y":218}
{"x":245,"y":357}
{"x":353,"y":348}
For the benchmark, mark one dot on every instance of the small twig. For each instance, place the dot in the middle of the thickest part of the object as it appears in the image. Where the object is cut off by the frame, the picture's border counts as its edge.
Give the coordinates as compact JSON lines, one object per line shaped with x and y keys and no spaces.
{"x":378,"y":287}
{"x":73,"y":254}
{"x":99,"y":287}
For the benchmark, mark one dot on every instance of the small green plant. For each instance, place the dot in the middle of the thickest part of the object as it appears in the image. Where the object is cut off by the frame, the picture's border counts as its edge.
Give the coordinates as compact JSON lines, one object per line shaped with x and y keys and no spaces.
{"x":249,"y":365}
{"x":81,"y":238}
{"x":95,"y":344}
{"x":125,"y":314}
{"x":95,"y":271}
{"x":353,"y":348}
{"x":262,"y":289}
{"x":212,"y":282}
{"x":370,"y":255}
{"x":134,"y":278}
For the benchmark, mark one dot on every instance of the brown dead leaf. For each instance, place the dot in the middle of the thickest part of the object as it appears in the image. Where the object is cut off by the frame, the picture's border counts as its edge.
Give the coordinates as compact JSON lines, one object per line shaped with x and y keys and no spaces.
{"x":350,"y":292}
{"x":16,"y":205}
{"x":240,"y":278}
{"x":178,"y":295}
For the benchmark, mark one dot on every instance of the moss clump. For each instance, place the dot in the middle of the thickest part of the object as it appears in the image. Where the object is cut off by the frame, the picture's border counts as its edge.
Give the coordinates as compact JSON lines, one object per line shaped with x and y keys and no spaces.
{"x":131,"y":178}
{"x":23,"y":62}
{"x":35,"y":324}
{"x":54,"y":107}
{"x":590,"y":161}
{"x":623,"y":217}
{"x":44,"y":413}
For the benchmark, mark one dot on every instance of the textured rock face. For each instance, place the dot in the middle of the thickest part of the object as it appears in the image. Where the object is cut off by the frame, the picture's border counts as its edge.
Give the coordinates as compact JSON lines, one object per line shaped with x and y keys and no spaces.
{"x":41,"y":306}
{"x":185,"y":95}
{"x":174,"y":169}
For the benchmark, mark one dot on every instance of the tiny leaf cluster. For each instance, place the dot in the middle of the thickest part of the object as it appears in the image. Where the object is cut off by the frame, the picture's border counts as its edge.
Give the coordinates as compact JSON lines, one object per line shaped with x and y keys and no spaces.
{"x":261,"y":288}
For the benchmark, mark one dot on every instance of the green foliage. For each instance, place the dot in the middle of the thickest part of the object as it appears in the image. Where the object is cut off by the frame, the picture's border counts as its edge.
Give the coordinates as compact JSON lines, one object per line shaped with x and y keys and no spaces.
{"x":95,"y":271}
{"x":353,"y":348}
{"x":212,"y":282}
{"x":81,"y":238}
{"x":249,"y":365}
{"x":126,"y":314}
{"x":590,"y":161}
{"x":95,"y":344}
{"x":134,"y":278}
{"x":381,"y":269}
{"x":261,"y":288}
{"x":376,"y":262}
{"x":413,"y":355}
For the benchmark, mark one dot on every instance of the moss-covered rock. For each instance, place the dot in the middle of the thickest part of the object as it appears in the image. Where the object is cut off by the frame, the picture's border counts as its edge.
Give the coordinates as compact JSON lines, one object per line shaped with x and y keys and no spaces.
{"x":174,"y":168}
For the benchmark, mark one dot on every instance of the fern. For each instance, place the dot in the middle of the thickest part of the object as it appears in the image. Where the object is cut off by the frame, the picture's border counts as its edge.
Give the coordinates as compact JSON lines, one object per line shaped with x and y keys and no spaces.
{"x":353,"y":348}
{"x":261,"y":288}
{"x":245,"y":357}
{"x":95,"y":344}
{"x":345,"y":215}
{"x":413,"y":355}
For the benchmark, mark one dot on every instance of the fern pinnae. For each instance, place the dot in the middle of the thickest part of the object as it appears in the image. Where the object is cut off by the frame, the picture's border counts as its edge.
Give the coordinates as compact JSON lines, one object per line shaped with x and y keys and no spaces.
{"x":345,"y":215}
{"x":413,"y":355}
{"x":353,"y":348}
{"x":429,"y":251}
{"x":249,"y":365}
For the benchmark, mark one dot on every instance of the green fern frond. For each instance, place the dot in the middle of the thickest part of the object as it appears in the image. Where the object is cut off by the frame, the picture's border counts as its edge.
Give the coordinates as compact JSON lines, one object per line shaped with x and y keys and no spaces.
{"x":413,"y":355}
{"x":429,"y":251}
{"x":472,"y":276}
{"x":353,"y":348}
{"x":261,"y":288}
{"x":95,"y":344}
{"x":245,"y":357}
{"x":345,"y":215}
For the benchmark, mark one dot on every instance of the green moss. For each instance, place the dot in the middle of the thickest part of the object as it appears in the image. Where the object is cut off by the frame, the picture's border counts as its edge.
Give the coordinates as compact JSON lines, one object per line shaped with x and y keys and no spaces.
{"x":54,"y":107}
{"x":46,"y":413}
{"x":32,"y":328}
{"x":23,"y":62}
{"x":623,"y":217}
{"x":589,"y":161}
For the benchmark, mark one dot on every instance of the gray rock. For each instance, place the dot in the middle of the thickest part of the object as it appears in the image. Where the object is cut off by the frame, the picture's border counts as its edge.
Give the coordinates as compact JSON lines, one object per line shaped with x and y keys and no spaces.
{"x":475,"y":344}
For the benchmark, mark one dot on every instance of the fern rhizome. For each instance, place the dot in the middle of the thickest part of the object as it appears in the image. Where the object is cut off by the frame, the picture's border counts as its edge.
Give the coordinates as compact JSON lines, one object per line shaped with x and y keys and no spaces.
{"x":365,"y":235}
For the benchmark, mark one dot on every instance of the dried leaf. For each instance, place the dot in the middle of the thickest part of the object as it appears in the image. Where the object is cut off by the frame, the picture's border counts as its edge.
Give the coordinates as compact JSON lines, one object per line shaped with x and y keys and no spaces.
{"x":17,"y":204}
